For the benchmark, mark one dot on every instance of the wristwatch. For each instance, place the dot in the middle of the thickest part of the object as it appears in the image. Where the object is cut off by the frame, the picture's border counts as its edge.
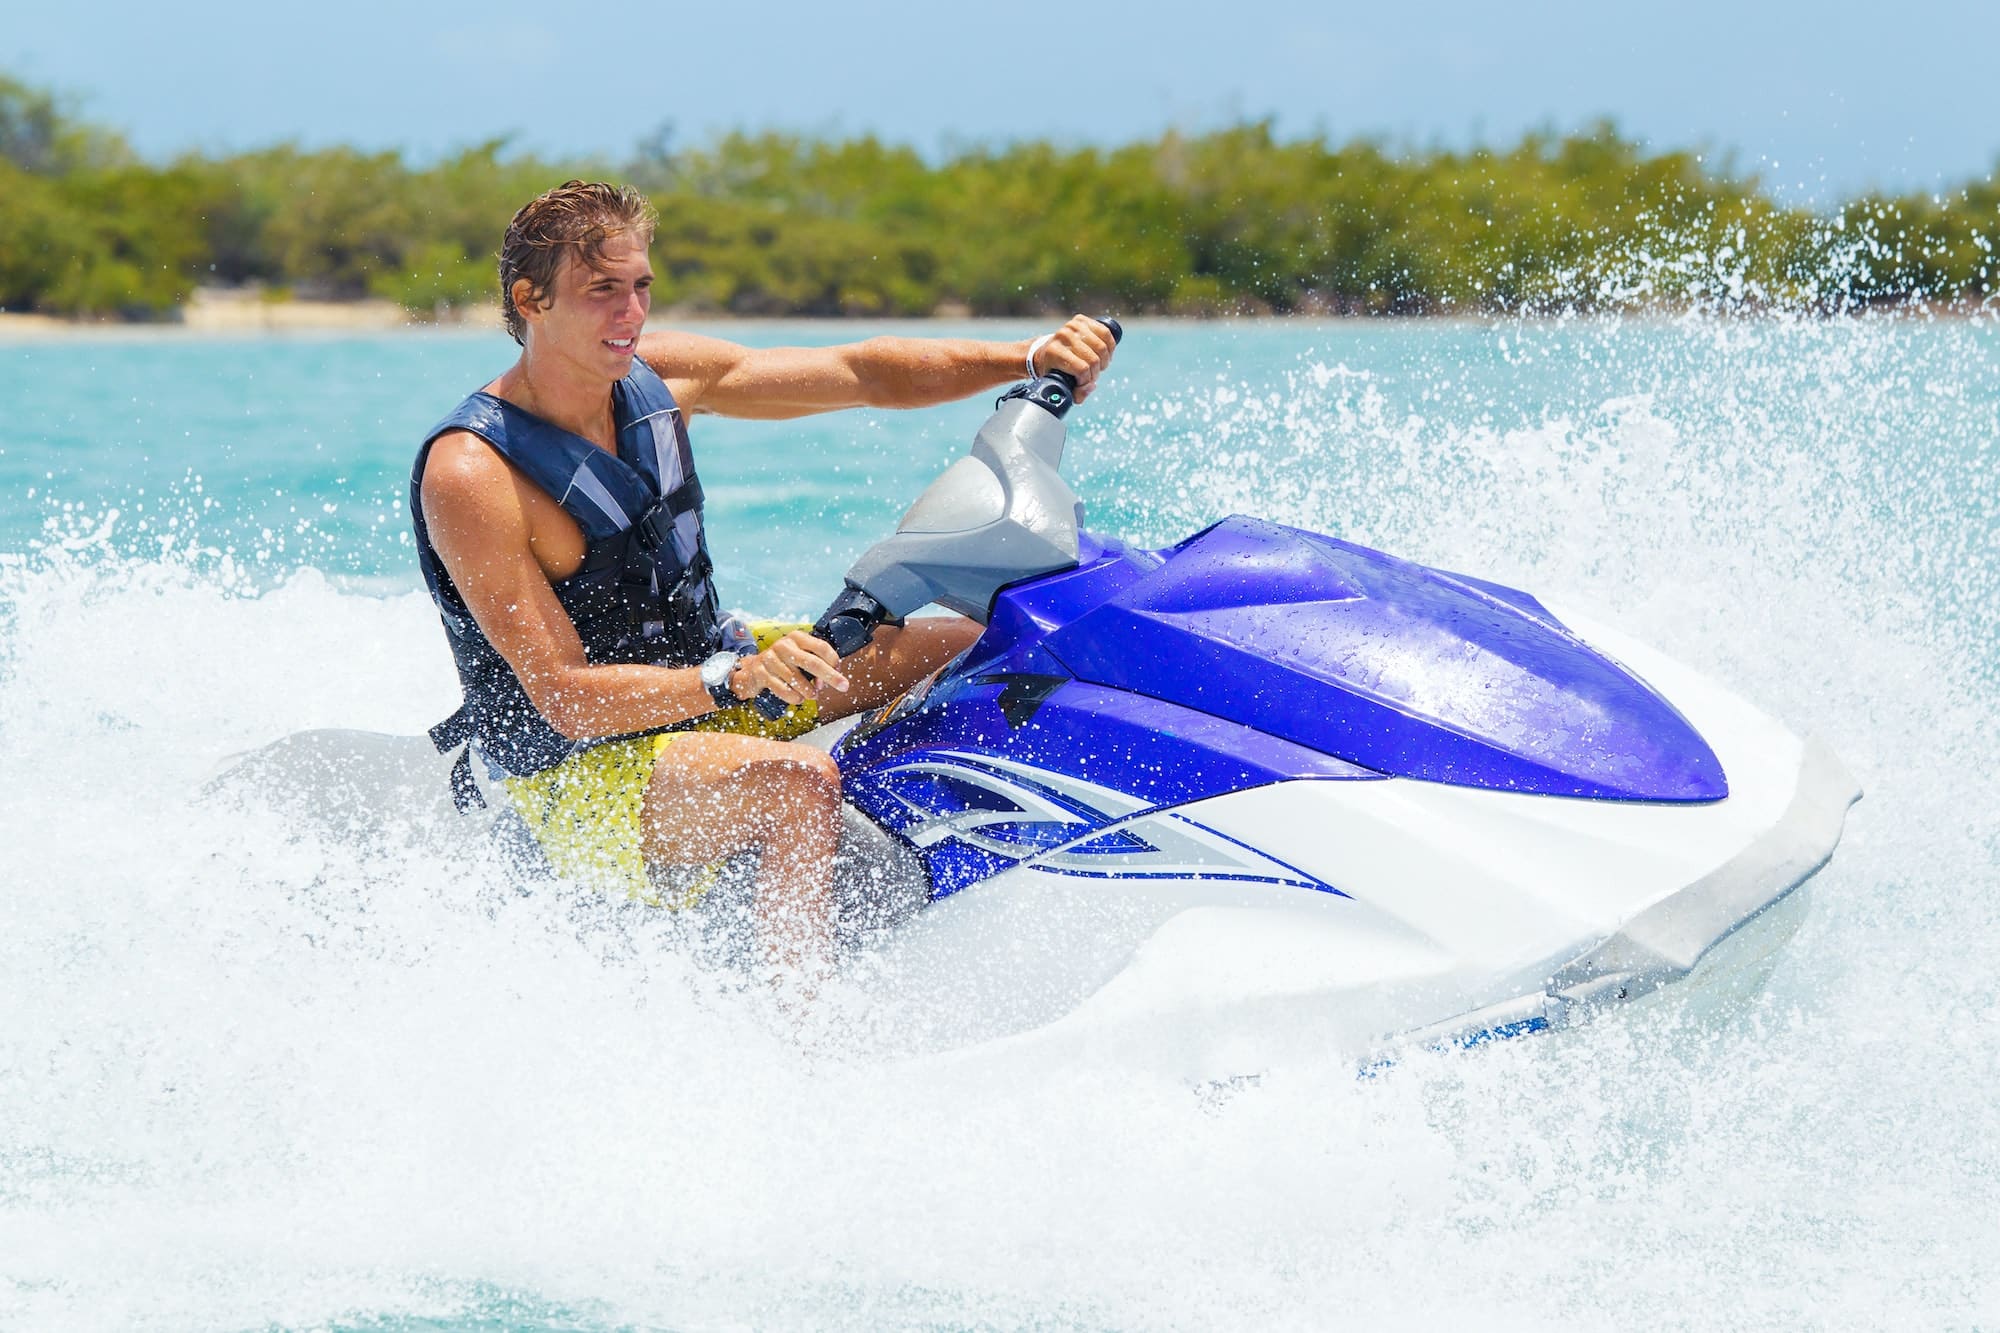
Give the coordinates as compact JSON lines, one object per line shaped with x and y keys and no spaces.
{"x":715,"y":673}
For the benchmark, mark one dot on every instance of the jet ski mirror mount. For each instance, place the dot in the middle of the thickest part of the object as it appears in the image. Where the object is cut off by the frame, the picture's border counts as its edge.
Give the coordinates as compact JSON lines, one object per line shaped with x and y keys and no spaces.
{"x":1000,"y":514}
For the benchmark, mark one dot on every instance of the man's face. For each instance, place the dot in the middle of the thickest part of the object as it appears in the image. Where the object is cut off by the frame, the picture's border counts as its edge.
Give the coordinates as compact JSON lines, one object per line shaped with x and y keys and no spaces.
{"x":593,"y":315}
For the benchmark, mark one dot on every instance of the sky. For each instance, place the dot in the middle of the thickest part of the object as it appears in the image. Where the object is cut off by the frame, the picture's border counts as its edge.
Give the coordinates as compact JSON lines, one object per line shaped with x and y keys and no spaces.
{"x":1821,"y":100}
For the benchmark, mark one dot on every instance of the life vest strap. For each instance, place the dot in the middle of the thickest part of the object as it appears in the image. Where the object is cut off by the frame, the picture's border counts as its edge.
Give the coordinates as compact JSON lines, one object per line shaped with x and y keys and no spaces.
{"x":465,"y":794}
{"x":654,"y":527}
{"x":454,"y":731}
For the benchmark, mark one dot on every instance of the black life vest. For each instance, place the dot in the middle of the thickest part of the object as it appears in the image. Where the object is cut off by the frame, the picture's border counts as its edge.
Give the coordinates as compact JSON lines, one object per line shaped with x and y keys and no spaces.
{"x":643,"y":593}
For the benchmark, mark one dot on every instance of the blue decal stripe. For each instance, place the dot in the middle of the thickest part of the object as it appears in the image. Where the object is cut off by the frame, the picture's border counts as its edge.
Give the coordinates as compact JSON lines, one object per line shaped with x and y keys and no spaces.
{"x":1313,"y":880}
{"x":1238,"y":876}
{"x":1465,"y":1041}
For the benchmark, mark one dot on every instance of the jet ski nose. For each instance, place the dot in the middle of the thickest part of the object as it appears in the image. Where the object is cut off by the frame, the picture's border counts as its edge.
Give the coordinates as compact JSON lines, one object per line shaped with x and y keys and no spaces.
{"x":1406,"y":670}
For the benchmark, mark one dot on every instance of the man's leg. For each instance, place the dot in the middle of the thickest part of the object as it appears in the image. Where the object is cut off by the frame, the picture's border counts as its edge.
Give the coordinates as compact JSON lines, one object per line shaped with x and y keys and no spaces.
{"x":713,"y":795}
{"x":895,"y":660}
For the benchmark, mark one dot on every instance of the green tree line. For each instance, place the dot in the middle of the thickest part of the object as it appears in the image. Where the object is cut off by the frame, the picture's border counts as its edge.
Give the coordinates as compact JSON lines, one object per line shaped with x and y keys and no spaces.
{"x":1235,"y":221}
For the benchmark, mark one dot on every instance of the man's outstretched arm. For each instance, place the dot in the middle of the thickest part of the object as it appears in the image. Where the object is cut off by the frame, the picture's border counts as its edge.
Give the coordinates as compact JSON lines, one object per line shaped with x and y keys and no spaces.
{"x":712,"y":375}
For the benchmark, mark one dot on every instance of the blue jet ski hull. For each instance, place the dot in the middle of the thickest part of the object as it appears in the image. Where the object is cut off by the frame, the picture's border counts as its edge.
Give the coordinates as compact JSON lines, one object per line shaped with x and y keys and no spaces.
{"x":1267,"y":766}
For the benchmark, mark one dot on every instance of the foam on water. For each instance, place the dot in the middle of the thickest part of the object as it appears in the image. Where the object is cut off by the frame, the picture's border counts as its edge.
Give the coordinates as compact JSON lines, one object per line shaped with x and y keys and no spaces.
{"x":256,"y":1070}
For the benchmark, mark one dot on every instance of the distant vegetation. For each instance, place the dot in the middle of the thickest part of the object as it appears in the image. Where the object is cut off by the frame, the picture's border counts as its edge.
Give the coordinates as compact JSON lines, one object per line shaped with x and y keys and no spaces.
{"x":1238,"y":220}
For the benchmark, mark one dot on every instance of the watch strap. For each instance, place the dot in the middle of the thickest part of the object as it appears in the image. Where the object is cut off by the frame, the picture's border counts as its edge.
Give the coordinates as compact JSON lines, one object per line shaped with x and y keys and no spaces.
{"x":719,"y":692}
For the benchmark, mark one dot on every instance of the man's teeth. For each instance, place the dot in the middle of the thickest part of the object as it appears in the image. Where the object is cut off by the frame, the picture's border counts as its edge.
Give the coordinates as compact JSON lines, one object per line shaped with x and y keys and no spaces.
{"x":620,"y":343}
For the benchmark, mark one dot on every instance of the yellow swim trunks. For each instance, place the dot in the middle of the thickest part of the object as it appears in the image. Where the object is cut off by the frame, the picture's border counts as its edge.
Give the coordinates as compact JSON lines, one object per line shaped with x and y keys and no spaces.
{"x":586,"y":811}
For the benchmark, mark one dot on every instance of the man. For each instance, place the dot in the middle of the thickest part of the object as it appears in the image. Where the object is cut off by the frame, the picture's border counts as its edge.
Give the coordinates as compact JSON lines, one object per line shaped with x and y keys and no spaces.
{"x":558,"y":523}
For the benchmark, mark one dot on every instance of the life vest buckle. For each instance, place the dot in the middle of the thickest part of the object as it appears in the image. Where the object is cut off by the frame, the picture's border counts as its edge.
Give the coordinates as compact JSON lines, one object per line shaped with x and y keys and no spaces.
{"x":650,"y":531}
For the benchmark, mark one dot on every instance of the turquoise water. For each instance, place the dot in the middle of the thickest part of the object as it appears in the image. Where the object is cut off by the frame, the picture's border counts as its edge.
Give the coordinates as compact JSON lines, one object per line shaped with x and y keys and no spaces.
{"x":256,"y":1074}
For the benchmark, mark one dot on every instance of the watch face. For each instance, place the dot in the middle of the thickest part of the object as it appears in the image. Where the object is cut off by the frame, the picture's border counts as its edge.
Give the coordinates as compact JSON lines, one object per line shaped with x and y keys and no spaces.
{"x":715,"y":671}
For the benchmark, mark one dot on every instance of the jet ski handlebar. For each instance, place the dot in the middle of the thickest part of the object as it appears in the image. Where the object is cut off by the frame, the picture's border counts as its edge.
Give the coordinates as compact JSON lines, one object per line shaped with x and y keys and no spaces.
{"x":1000,"y":514}
{"x":1055,"y":390}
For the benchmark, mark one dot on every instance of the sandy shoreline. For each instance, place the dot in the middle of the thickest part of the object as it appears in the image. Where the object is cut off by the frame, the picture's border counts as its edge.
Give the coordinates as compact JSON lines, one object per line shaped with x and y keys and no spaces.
{"x":231,"y":313}
{"x":220,"y":311}
{"x":308,"y":318}
{"x":236,"y":312}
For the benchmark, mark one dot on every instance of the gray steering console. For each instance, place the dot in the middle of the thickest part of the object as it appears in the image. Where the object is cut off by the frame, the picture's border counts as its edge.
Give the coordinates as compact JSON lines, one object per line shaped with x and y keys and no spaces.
{"x":998,"y":515}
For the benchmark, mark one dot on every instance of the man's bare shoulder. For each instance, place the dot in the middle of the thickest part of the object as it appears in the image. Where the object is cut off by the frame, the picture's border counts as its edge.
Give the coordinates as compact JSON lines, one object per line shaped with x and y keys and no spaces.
{"x":464,"y":475}
{"x":460,"y":459}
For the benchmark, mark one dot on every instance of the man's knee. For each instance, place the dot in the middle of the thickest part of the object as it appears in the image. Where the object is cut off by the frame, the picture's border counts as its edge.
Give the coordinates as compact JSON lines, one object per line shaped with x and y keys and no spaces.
{"x":725,"y":793}
{"x":797,"y":774}
{"x":740,"y":773}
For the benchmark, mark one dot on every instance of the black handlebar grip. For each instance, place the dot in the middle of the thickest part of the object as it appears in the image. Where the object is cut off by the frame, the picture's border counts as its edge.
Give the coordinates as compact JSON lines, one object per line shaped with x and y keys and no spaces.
{"x":770,"y":706}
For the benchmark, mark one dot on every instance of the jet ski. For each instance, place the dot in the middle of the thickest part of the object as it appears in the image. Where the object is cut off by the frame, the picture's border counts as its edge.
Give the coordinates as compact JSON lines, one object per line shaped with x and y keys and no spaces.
{"x":1266,"y":791}
{"x":1268,"y":769}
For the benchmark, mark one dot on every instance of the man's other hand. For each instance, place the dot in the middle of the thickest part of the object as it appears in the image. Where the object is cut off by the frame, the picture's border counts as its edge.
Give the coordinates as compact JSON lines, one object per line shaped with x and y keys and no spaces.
{"x":795,"y":668}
